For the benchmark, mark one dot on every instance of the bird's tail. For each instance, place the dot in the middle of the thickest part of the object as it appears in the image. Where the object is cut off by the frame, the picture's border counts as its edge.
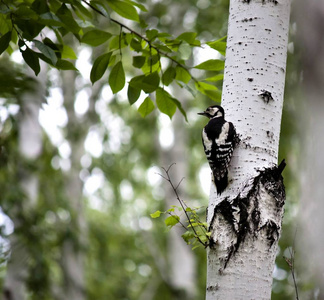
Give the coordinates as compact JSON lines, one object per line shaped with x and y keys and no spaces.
{"x":221,"y":181}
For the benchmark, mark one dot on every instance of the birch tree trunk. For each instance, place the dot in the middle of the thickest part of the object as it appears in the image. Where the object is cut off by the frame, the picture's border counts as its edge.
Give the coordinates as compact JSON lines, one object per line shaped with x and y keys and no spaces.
{"x":246,"y":219}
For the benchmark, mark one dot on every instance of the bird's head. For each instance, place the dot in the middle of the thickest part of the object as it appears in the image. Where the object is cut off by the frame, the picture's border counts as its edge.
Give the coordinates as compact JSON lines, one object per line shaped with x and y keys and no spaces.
{"x":214,"y":111}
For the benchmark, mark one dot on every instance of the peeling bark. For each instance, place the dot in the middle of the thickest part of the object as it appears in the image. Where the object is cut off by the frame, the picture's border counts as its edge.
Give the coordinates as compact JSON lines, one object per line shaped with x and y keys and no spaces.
{"x":247,"y":217}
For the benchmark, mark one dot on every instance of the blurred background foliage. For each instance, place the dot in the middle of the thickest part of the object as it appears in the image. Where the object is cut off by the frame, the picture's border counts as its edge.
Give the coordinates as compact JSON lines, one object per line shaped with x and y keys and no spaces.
{"x":115,"y":155}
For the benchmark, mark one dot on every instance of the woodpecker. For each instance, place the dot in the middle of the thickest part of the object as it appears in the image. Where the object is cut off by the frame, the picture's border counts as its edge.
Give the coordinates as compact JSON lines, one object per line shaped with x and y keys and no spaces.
{"x":218,"y":138}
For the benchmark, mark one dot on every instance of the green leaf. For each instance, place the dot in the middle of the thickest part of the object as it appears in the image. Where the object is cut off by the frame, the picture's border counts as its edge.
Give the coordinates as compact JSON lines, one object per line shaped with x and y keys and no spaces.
{"x":65,"y":15}
{"x":163,"y":48}
{"x":65,"y":65}
{"x":189,"y":37}
{"x":47,"y":51}
{"x":156,"y":214}
{"x":117,"y":77}
{"x":136,"y":44}
{"x":154,"y":59}
{"x":146,"y":107}
{"x":99,"y":67}
{"x":215,"y":78}
{"x":172,"y":220}
{"x":147,"y":83}
{"x":178,"y":104}
{"x":209,"y":90}
{"x":140,"y":6}
{"x":83,"y":10}
{"x":68,"y":52}
{"x":117,"y":42}
{"x":153,"y":80}
{"x":187,"y":236}
{"x":169,"y":75}
{"x":95,"y":37}
{"x":40,"y":6}
{"x":31,"y":28}
{"x":32,"y":60}
{"x":219,"y":46}
{"x":101,"y":7}
{"x":211,"y":65}
{"x":184,"y":50}
{"x":133,"y":94}
{"x":165,"y":103}
{"x":182,"y":75}
{"x":151,"y":34}
{"x":214,"y":95}
{"x":24,"y":12}
{"x":124,"y":9}
{"x":151,"y":65}
{"x":205,"y":86}
{"x":139,"y":61}
{"x":5,"y":41}
{"x":49,"y":19}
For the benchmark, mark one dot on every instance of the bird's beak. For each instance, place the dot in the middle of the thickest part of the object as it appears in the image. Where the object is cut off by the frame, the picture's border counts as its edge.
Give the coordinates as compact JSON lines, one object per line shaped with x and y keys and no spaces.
{"x":202,"y":113}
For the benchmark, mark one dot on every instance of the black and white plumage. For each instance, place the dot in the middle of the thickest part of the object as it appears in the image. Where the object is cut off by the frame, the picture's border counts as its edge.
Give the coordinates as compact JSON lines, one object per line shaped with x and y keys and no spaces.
{"x":218,"y":138}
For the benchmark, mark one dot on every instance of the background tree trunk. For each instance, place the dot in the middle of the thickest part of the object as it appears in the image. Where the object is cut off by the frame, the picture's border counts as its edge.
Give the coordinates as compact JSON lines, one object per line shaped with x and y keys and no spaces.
{"x":73,"y":248}
{"x":180,"y":256}
{"x":309,"y":235}
{"x":30,"y":148}
{"x":246,"y":219}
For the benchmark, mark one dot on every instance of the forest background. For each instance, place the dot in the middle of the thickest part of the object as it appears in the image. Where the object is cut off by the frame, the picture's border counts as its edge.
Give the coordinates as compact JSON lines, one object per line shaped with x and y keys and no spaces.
{"x":80,"y":172}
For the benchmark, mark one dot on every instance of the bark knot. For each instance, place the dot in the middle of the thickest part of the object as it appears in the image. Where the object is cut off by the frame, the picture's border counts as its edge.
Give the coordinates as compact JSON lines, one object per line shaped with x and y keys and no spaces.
{"x":266,"y":96}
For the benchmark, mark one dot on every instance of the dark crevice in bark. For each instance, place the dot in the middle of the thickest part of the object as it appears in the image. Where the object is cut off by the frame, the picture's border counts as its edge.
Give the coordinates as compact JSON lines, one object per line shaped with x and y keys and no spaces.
{"x":245,"y":215}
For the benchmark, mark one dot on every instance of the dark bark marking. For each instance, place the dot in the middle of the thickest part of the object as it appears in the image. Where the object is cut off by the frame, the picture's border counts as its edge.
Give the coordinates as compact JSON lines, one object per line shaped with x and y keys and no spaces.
{"x":248,"y":211}
{"x":266,"y":96}
{"x":213,"y":288}
{"x":263,"y":1}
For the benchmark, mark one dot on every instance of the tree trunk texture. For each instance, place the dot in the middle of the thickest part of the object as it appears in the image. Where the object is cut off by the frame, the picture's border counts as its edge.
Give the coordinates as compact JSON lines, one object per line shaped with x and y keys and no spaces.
{"x":30,"y":147}
{"x":309,"y":237}
{"x":246,"y":219}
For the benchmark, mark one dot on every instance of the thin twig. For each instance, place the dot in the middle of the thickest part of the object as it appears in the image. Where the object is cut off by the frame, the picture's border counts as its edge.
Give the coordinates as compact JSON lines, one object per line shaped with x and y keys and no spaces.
{"x":179,"y":182}
{"x":291,"y":263}
{"x":183,"y":202}
{"x":168,"y":178}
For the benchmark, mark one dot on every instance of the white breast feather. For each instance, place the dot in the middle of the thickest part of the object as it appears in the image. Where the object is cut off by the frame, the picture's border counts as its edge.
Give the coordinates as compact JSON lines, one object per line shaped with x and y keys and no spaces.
{"x":207,"y":142}
{"x":223,"y":136}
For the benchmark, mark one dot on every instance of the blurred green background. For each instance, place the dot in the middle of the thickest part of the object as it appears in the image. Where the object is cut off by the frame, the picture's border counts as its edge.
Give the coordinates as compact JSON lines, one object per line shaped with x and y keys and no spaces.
{"x":79,"y":178}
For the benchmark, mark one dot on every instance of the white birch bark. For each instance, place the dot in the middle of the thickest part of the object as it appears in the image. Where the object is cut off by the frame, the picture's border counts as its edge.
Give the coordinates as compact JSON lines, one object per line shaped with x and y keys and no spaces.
{"x":241,"y":261}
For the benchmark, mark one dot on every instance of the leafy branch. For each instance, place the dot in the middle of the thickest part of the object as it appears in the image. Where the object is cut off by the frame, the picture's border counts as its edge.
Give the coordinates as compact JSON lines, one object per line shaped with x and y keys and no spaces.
{"x":132,"y":31}
{"x":23,"y":24}
{"x":199,"y":229}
